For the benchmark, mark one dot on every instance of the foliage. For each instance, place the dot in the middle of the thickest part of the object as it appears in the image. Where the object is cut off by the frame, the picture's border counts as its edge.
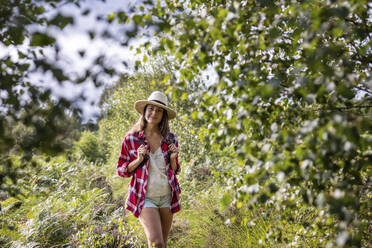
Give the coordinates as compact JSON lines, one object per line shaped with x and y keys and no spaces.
{"x":207,"y":223}
{"x":64,"y":203}
{"x":112,"y":234}
{"x":90,"y":147}
{"x":28,"y":34}
{"x":27,"y":139}
{"x":292,"y":96}
{"x":286,"y":123}
{"x":82,"y":203}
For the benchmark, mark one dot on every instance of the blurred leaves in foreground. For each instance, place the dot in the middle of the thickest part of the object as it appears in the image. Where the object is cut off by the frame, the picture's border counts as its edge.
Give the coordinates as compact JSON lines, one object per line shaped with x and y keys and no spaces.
{"x":289,"y":91}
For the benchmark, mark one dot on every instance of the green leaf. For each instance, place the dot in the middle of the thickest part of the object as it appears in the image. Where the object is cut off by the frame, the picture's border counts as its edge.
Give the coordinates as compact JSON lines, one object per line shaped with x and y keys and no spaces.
{"x":111,"y":17}
{"x":137,"y":65}
{"x":138,"y":20}
{"x":41,"y":40}
{"x":122,"y":17}
{"x":337,"y":32}
{"x":345,"y":91}
{"x":222,"y":13}
{"x":61,"y":21}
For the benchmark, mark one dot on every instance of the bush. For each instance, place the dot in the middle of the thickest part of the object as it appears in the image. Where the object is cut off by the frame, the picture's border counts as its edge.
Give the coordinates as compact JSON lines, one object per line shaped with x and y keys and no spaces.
{"x":90,"y":147}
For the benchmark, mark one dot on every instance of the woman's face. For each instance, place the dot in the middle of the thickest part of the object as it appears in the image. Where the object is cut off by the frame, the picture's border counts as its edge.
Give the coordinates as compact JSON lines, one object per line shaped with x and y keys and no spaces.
{"x":153,"y":114}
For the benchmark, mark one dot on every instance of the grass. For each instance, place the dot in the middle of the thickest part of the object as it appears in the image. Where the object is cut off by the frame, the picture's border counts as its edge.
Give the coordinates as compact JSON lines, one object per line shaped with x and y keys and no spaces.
{"x":206,"y":223}
{"x":81,"y":204}
{"x":65,"y":203}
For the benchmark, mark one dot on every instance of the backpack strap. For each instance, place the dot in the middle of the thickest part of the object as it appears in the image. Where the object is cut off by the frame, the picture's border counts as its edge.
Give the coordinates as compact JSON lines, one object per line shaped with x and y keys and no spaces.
{"x":142,"y":142}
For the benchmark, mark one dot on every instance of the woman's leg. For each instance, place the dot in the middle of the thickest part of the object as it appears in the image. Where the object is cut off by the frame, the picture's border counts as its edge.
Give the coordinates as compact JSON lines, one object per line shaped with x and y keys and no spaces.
{"x":166,"y":218}
{"x":151,"y":222}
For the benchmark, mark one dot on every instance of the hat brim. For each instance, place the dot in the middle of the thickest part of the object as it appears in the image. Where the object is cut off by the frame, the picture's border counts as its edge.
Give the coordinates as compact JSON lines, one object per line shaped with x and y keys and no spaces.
{"x":140,"y":105}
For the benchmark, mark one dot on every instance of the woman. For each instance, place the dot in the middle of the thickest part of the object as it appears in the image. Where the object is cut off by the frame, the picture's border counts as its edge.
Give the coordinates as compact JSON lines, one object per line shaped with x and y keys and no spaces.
{"x":149,"y":155}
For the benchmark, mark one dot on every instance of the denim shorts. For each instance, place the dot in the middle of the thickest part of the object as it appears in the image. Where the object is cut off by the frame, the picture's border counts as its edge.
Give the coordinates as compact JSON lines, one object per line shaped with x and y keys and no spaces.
{"x":157,"y":202}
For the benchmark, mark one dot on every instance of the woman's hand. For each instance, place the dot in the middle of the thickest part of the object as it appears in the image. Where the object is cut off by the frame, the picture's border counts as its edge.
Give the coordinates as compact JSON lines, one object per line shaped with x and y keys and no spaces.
{"x":141,"y":151}
{"x":174,"y":151}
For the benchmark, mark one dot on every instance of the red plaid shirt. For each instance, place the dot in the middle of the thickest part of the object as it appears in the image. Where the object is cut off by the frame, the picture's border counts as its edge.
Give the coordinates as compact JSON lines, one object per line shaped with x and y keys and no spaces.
{"x":138,"y":184}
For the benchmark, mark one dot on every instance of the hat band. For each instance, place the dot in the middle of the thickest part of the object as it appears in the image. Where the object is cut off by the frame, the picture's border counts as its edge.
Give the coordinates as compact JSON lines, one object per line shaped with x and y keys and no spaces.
{"x":158,"y":102}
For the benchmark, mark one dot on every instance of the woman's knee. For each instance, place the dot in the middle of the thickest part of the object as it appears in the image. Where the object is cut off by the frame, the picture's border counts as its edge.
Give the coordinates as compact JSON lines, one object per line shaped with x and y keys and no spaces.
{"x":158,"y":243}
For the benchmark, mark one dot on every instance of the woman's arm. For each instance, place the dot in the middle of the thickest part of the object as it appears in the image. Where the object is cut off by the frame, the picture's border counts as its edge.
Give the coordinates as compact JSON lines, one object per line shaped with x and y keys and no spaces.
{"x":173,"y":160}
{"x":128,"y":162}
{"x":174,"y":156}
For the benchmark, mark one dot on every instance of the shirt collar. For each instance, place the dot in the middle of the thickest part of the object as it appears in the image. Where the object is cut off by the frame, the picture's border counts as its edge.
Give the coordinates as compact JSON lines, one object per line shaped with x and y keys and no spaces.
{"x":141,"y":134}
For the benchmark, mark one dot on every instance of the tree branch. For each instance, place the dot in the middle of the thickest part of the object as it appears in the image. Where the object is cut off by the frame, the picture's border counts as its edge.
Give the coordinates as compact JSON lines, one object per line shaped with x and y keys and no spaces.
{"x":364,"y":89}
{"x":359,"y":24}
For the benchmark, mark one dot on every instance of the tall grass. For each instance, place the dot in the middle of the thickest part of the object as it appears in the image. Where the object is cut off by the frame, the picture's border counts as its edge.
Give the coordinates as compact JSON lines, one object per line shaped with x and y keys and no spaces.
{"x":81,"y":204}
{"x":206,"y":223}
{"x":65,"y":203}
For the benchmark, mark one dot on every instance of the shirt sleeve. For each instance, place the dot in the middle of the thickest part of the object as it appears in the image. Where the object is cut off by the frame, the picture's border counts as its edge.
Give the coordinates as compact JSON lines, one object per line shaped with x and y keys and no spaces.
{"x":178,"y":170}
{"x":124,"y":160}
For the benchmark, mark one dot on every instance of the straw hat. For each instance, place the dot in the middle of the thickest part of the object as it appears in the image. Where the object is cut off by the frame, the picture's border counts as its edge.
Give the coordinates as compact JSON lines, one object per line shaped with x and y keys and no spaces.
{"x":156,"y":98}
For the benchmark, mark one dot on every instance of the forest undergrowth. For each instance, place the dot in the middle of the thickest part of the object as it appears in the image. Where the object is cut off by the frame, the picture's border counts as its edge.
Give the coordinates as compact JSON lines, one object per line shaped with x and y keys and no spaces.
{"x":73,"y":203}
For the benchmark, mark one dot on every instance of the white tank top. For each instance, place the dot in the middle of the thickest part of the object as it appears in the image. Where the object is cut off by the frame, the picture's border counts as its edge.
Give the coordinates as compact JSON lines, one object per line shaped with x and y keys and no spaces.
{"x":157,"y":182}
